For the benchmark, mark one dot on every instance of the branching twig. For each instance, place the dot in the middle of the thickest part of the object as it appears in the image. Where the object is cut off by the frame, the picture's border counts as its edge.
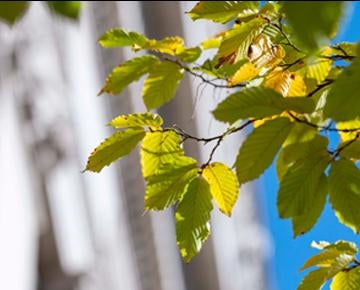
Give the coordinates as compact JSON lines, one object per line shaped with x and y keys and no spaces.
{"x":319,"y":87}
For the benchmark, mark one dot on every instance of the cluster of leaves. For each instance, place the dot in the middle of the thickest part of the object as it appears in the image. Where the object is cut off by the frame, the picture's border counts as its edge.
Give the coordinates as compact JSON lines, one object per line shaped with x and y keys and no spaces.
{"x":289,"y":84}
{"x":12,"y":11}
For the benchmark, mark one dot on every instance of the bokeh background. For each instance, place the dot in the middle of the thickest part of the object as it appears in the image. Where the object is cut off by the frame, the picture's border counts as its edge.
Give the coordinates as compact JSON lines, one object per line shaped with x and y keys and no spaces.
{"x":61,"y":229}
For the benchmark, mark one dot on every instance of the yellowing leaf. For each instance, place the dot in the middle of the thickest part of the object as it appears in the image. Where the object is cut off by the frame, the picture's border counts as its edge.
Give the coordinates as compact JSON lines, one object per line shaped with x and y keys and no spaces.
{"x":297,"y":86}
{"x":353,"y":124}
{"x":278,"y":80}
{"x":259,"y":149}
{"x":168,"y":45}
{"x":157,"y":149}
{"x":193,"y":218}
{"x":169,"y":183}
{"x":245,"y":73}
{"x":224,"y":186}
{"x":116,"y":146}
{"x":136,"y":120}
{"x":128,"y":72}
{"x":161,"y":84}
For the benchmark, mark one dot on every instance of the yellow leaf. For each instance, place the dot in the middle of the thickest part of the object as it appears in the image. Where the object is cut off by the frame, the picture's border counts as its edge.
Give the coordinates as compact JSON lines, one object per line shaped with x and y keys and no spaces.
{"x":224,"y":186}
{"x":245,"y":73}
{"x":279,"y":80}
{"x":353,"y":124}
{"x":297,"y":86}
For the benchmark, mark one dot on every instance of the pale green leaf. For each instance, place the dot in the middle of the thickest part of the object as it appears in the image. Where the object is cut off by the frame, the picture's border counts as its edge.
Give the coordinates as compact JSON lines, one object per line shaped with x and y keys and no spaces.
{"x":11,"y":11}
{"x":344,"y":186}
{"x":259,"y":149}
{"x":137,"y":120}
{"x":223,"y":11}
{"x":303,"y":223}
{"x":314,"y":280}
{"x":343,"y":101}
{"x":299,"y":186}
{"x":161,"y":84}
{"x":157,"y":149}
{"x":170,"y":45}
{"x":169,"y":183}
{"x":236,"y":41}
{"x":193,"y":218}
{"x":313,"y":22}
{"x":118,"y":37}
{"x":323,"y":259}
{"x":114,"y":147}
{"x":346,"y":280}
{"x":224,"y":186}
{"x":68,"y":9}
{"x":128,"y":72}
{"x":259,"y":102}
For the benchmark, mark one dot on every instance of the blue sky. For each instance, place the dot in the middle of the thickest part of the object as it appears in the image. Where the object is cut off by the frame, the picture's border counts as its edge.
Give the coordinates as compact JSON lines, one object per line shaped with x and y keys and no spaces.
{"x":289,"y":253}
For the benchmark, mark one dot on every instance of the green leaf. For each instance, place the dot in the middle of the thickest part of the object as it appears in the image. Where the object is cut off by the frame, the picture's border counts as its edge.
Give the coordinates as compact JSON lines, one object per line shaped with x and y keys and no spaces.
{"x":346,"y":280}
{"x":346,"y":48}
{"x":114,"y":147}
{"x":260,"y":148}
{"x":344,"y":185}
{"x":313,"y":22}
{"x":118,"y":37}
{"x":303,"y":142}
{"x":159,"y":148}
{"x":169,"y":183}
{"x":303,"y":223}
{"x":351,"y":149}
{"x":258,"y":102}
{"x":128,"y":72}
{"x":224,"y":186}
{"x":137,"y":120}
{"x":343,"y":101}
{"x":323,"y":259}
{"x":11,"y":11}
{"x":237,"y":40}
{"x":161,"y":84}
{"x":189,"y":55}
{"x":223,"y":11}
{"x":69,"y":9}
{"x":300,"y":185}
{"x":193,"y":218}
{"x":314,"y":280}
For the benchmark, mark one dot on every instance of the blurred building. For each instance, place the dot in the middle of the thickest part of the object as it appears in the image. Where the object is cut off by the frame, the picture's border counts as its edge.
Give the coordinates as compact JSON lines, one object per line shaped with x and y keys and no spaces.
{"x":64,"y":230}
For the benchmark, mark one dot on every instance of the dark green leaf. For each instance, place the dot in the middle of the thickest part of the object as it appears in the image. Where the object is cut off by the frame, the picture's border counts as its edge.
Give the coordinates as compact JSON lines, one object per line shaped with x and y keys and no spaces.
{"x":11,"y":11}
{"x":69,"y":9}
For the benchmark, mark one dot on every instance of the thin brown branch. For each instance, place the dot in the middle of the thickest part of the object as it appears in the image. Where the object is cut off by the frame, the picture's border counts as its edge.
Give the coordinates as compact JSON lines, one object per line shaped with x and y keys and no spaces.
{"x":320,"y":87}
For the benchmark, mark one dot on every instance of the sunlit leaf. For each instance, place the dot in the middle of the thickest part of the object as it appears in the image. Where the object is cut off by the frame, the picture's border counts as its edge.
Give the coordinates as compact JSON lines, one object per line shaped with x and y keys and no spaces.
{"x":223,"y":11}
{"x":169,"y":183}
{"x":118,"y":37}
{"x":189,"y":55}
{"x":157,"y":149}
{"x":161,"y":84}
{"x":114,"y":147}
{"x":346,"y":280}
{"x":128,"y":72}
{"x":245,"y":73}
{"x":224,"y":186}
{"x":193,"y":218}
{"x":169,"y":45}
{"x":136,"y":120}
